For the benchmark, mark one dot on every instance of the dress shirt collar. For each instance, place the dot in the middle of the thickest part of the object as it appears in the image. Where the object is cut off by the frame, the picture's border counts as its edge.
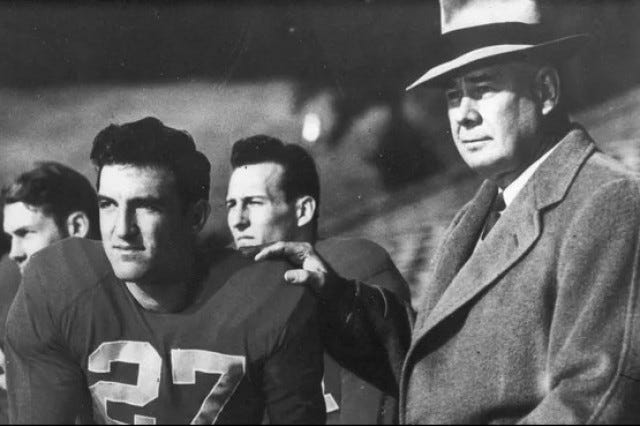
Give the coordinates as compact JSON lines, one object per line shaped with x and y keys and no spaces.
{"x":516,"y":186}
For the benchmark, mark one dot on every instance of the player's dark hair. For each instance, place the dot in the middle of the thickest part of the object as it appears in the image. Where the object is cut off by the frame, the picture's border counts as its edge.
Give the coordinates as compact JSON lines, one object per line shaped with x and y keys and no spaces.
{"x":58,"y":191}
{"x":148,"y":142}
{"x":300,"y":175}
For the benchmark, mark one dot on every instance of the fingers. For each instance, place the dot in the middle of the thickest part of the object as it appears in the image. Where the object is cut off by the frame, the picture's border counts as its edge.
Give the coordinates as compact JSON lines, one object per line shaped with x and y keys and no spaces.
{"x":296,"y":252}
{"x":298,"y":276}
{"x":310,"y":279}
{"x":314,"y":271}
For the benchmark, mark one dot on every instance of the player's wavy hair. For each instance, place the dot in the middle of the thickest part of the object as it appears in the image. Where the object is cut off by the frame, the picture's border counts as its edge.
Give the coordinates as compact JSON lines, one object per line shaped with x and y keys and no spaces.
{"x":148,"y":142}
{"x":300,"y":175}
{"x":58,"y":191}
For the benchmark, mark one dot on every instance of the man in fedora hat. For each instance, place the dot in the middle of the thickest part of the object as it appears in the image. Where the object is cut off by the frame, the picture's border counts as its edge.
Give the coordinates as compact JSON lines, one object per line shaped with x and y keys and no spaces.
{"x":531,"y":310}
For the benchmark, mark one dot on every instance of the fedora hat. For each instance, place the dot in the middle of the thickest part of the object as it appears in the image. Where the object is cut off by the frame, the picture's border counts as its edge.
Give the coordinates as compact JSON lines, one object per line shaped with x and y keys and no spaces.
{"x":481,"y":30}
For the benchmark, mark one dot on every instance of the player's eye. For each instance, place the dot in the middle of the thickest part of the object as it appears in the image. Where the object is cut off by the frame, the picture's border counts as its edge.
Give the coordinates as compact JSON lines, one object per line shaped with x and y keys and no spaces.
{"x":150,"y":206}
{"x":230,"y":204}
{"x":103,"y":203}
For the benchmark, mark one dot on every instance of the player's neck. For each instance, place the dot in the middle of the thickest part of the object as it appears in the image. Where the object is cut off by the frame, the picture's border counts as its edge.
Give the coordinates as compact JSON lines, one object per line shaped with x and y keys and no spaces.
{"x":167,"y":299}
{"x":168,"y":296}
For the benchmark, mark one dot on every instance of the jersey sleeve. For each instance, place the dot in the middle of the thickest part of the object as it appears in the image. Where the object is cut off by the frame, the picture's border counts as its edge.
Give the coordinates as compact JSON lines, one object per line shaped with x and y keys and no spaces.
{"x":46,"y":385}
{"x":293,"y":373}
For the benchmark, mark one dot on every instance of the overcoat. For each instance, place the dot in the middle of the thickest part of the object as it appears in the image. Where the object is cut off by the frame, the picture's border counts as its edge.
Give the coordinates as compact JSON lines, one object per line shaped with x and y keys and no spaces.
{"x":538,"y":323}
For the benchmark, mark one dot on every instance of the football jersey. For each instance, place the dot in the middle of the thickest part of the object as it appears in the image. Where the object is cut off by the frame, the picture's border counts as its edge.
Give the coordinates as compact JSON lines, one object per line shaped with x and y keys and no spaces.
{"x":79,"y":344}
{"x":9,"y":282}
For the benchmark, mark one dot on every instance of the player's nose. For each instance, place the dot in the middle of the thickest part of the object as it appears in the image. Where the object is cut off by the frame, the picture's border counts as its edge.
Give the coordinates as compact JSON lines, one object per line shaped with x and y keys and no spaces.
{"x":239,"y":218}
{"x":125,"y":225}
{"x":17,"y":252}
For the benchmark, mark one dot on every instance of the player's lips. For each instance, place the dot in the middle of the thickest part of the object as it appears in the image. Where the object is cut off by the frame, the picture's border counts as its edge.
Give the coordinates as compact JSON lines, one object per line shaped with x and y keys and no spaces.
{"x":474,"y":140}
{"x":128,"y":249}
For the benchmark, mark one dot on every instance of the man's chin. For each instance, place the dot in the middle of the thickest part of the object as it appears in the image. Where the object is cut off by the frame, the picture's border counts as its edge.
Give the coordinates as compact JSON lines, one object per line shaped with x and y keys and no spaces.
{"x":250,"y":250}
{"x":130,"y":273}
{"x":246,"y":242}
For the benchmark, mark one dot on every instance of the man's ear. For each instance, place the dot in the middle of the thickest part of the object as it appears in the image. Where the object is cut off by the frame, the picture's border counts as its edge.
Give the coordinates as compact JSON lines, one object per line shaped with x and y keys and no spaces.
{"x":547,"y":88}
{"x":305,"y":210}
{"x":198,"y":214}
{"x":78,"y":224}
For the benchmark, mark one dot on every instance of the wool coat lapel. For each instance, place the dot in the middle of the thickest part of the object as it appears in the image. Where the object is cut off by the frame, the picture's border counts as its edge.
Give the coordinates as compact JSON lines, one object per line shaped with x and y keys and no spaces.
{"x":456,"y":249}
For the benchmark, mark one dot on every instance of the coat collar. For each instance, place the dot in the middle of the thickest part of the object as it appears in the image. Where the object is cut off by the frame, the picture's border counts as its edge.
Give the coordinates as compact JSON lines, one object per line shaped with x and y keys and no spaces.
{"x":555,"y":175}
{"x":462,"y":273}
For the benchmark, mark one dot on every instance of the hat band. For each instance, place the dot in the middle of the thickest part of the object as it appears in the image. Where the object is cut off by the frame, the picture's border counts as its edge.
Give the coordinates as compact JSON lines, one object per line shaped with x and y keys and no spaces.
{"x":459,"y":42}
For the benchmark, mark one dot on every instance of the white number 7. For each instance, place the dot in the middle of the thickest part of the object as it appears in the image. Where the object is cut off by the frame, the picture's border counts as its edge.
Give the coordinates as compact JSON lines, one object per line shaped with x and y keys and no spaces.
{"x":184,"y":363}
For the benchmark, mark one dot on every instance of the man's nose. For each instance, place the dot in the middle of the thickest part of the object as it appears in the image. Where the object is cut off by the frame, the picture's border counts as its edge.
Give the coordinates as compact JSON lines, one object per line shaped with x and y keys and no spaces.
{"x":17,"y":253}
{"x":466,"y":113}
{"x":125,"y":225}
{"x":240,"y":218}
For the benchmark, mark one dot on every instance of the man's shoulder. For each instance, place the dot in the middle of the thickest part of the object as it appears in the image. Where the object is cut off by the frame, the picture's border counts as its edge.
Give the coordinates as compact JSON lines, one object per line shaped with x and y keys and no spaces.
{"x":66,"y":268}
{"x":603,"y":177}
{"x":363,"y":260}
{"x":256,"y":291}
{"x":9,"y":275}
{"x":352,"y":249}
{"x":9,"y":283}
{"x":355,"y":258}
{"x":602,"y":169}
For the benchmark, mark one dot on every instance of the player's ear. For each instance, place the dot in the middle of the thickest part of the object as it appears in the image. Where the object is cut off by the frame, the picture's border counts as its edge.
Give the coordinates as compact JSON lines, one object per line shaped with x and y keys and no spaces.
{"x":305,"y":210}
{"x":198,"y":215}
{"x":78,"y":224}
{"x":547,"y":88}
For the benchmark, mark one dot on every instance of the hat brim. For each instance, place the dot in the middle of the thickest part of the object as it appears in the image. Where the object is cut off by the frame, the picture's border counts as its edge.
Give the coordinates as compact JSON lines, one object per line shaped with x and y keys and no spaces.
{"x":557,"y":49}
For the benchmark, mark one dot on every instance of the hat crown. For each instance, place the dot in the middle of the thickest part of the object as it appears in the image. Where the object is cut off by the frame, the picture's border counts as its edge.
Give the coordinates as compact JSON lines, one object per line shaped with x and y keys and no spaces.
{"x":460,"y":14}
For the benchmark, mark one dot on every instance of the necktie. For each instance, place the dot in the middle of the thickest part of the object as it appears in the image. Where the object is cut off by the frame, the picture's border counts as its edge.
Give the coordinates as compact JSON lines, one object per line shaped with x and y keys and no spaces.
{"x":495,"y":211}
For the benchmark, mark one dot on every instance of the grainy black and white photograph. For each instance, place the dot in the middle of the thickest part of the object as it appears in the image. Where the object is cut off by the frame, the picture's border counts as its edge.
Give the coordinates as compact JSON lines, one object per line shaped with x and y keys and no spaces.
{"x":320,"y":212}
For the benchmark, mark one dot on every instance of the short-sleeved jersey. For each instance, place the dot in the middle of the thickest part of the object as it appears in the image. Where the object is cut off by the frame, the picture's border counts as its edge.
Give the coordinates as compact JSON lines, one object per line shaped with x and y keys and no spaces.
{"x":80,"y":345}
{"x":9,"y":282}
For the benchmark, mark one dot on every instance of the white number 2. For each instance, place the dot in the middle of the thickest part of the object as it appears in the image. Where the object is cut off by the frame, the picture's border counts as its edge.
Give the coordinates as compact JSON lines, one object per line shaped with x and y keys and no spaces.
{"x":184,"y":363}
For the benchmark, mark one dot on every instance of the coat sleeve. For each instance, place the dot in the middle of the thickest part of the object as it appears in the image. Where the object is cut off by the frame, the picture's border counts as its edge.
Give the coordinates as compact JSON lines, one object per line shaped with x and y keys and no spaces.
{"x":367,"y":329}
{"x":594,"y":342}
{"x":45,"y":384}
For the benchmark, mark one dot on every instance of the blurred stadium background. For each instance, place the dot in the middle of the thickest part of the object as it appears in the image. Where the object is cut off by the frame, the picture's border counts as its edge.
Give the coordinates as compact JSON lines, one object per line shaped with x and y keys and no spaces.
{"x":329,"y":75}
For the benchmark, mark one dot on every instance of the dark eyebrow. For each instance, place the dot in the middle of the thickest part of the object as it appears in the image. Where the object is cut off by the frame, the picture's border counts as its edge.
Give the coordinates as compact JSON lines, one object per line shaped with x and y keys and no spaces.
{"x":137,"y":201}
{"x":147,"y":201}
{"x":104,"y":198}
{"x":249,"y":197}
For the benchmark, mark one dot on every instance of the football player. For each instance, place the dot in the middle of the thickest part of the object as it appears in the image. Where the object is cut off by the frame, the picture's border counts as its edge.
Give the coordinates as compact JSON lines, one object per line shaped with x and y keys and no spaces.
{"x":40,"y":207}
{"x":274,"y":194}
{"x":143,"y":329}
{"x":46,"y":204}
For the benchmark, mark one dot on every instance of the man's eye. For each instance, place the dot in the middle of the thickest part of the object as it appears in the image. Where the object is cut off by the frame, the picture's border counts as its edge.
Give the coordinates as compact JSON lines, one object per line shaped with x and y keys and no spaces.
{"x":151,"y":207}
{"x":103,"y":204}
{"x":483,"y":90}
{"x":453,"y":96}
